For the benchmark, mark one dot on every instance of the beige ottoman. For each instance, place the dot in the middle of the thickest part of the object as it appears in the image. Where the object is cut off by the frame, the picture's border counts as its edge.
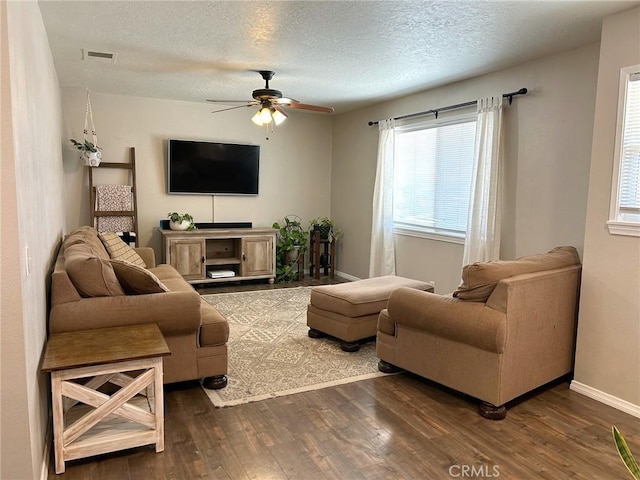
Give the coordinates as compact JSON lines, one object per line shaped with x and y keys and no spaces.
{"x":349,"y":311}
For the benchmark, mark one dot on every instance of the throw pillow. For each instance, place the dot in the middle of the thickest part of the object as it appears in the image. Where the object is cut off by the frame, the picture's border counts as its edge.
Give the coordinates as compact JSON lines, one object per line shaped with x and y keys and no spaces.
{"x":88,"y":236}
{"x":136,"y":280}
{"x":92,"y":276}
{"x":480,"y":278}
{"x":119,"y":250}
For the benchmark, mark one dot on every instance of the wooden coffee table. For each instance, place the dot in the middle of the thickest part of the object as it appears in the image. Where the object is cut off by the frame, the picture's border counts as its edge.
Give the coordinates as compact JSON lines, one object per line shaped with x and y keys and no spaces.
{"x":88,"y":422}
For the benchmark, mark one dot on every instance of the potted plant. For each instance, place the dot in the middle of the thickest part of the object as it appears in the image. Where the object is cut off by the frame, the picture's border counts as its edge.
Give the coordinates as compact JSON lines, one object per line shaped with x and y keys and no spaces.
{"x":180,"y":222}
{"x":291,"y":243}
{"x":91,"y":155}
{"x":328,"y":232}
{"x":326,"y":227}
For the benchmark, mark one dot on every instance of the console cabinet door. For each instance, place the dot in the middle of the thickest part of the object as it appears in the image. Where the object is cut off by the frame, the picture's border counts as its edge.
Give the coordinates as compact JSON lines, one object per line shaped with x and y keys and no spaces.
{"x":187,"y":257}
{"x":257,"y":256}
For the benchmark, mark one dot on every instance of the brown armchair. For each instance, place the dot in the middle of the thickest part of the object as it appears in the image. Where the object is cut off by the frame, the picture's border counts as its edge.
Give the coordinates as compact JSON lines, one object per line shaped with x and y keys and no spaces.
{"x":508,"y":329}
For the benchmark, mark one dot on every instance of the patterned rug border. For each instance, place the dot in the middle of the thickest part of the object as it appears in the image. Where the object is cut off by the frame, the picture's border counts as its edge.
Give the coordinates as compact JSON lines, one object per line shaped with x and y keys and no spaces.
{"x":218,"y":402}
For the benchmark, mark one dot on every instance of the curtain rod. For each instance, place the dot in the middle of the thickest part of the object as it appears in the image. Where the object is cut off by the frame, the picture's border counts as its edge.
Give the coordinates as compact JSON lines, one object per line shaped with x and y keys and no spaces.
{"x":435,"y":111}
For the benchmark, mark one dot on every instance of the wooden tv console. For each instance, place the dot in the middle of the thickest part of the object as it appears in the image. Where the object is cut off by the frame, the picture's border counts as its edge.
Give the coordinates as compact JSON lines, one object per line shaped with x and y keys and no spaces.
{"x":221,"y":255}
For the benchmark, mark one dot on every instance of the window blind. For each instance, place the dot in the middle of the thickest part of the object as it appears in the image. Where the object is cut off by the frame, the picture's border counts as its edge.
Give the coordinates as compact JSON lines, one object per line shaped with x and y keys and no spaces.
{"x":629,"y":190}
{"x":432,"y":177}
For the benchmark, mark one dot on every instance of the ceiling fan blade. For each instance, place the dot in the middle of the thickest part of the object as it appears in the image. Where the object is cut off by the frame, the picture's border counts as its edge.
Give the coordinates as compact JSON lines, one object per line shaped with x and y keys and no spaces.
{"x":285,"y":101}
{"x":271,"y":99}
{"x":313,"y":108}
{"x":229,"y":101}
{"x":232,"y":108}
{"x":280,"y":109}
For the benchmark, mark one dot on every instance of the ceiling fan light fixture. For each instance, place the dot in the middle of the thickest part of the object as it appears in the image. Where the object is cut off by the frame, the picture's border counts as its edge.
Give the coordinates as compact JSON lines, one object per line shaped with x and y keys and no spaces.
{"x":271,"y":104}
{"x":265,"y":115}
{"x":256,"y":119}
{"x":279,"y":117}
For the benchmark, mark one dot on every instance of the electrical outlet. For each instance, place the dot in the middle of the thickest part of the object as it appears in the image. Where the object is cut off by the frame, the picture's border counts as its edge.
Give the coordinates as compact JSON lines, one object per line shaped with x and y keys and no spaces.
{"x":27,"y":260}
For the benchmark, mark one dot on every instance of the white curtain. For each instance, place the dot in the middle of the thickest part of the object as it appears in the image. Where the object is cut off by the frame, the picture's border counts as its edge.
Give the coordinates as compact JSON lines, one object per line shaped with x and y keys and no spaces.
{"x":382,"y":259}
{"x":482,"y":242}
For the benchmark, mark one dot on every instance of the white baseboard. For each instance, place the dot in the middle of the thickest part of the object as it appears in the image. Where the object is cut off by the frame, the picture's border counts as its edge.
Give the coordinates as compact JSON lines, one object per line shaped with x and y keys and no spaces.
{"x":347,"y":276}
{"x":44,"y":469}
{"x":605,"y":398}
{"x":338,"y":274}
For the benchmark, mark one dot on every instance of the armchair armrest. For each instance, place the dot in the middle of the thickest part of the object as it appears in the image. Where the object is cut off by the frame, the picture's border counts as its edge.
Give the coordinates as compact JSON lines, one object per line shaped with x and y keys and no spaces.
{"x":472,"y":323}
{"x":148,"y":255}
{"x":175,"y":312}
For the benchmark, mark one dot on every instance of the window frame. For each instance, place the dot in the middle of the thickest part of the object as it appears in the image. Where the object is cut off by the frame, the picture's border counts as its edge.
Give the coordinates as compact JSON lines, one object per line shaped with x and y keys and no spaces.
{"x":615,"y":224}
{"x":432,"y":233}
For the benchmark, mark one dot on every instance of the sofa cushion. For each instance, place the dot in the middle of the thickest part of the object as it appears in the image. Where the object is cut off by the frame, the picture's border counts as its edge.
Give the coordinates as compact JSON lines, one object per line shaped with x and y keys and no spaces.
{"x":166,"y":272}
{"x":91,"y":275}
{"x":177,"y":284}
{"x":479,"y":279}
{"x":119,"y":250}
{"x":136,"y":280}
{"x":89,"y":237}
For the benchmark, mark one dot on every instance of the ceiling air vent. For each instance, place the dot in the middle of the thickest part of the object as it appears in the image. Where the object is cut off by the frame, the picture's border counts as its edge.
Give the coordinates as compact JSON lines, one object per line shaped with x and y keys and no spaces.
{"x":95,"y":56}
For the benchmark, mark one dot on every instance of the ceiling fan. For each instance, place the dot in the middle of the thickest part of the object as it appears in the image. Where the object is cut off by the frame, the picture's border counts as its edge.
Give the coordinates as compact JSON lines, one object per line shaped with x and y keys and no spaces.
{"x":271,"y":102}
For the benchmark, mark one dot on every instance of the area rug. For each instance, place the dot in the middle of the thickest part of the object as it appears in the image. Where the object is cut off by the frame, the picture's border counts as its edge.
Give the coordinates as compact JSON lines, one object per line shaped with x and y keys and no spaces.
{"x":270,"y":353}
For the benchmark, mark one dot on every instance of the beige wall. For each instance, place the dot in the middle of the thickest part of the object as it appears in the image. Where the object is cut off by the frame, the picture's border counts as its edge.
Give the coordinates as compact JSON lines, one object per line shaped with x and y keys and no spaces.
{"x":547,"y":153}
{"x":311,"y":169}
{"x":608,"y":350}
{"x":295,"y":163}
{"x":32,"y":217}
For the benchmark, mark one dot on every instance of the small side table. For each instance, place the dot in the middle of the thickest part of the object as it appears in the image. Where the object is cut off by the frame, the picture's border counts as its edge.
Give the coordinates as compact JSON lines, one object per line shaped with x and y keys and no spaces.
{"x":322,"y":248}
{"x":87,"y":422}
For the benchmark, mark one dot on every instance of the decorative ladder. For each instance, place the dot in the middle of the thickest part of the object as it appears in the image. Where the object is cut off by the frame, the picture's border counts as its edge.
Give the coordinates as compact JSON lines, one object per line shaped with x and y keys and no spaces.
{"x":134,"y":192}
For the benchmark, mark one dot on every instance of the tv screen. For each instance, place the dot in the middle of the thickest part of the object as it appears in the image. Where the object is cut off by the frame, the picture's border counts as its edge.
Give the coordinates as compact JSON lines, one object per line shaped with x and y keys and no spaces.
{"x":210,"y":168}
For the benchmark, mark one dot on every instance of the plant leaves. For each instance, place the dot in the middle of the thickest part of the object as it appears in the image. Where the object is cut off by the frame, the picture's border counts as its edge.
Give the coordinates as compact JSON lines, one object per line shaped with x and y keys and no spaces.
{"x":625,"y":453}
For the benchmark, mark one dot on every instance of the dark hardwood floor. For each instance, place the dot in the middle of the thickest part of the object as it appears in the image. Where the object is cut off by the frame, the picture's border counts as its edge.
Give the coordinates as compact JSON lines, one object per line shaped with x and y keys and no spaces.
{"x":393,"y":427}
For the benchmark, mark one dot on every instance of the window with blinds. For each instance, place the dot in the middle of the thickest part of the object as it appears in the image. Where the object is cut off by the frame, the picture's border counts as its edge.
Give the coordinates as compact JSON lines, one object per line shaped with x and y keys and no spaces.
{"x":624,"y":218}
{"x":432,"y":177}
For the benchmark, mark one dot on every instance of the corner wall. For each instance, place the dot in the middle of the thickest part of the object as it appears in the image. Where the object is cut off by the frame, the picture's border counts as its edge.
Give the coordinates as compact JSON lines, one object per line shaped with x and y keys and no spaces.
{"x":608,"y":349}
{"x":295,"y":161}
{"x":32,"y":222}
{"x":548,"y":136}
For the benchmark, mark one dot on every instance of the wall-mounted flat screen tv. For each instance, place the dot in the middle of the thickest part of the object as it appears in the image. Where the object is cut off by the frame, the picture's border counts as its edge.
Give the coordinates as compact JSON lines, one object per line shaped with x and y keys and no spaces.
{"x":210,"y":168}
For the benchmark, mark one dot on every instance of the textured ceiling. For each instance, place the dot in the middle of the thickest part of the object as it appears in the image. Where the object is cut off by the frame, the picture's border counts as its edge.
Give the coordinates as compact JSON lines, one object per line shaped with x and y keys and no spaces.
{"x":343,"y":54}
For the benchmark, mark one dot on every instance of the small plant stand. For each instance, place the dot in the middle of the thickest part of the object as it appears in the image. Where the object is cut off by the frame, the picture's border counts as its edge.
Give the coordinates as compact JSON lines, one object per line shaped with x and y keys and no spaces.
{"x":325,"y":248}
{"x":297,"y":265}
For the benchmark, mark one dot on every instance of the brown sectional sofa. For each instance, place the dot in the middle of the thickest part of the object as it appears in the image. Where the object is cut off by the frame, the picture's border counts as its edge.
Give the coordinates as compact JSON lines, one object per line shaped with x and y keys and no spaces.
{"x":508,"y":329}
{"x":98,"y":281}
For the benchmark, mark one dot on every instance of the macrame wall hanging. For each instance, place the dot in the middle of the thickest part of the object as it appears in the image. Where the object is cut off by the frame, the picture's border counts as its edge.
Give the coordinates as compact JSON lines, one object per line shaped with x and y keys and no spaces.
{"x":91,"y":154}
